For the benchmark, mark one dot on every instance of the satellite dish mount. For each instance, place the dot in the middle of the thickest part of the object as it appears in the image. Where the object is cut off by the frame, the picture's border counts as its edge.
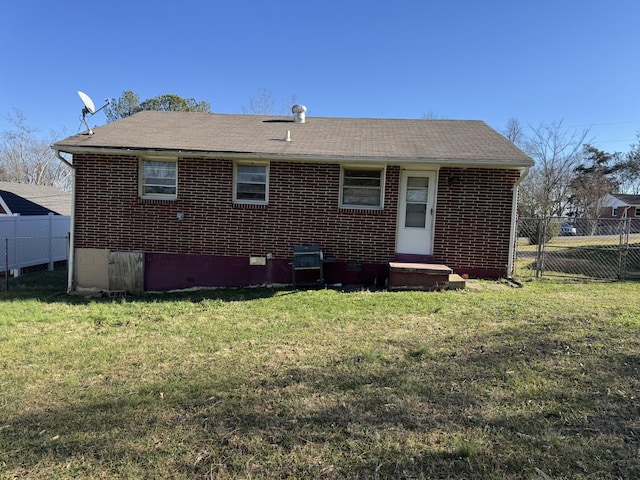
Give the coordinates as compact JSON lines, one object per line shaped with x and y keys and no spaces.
{"x":90,"y":108}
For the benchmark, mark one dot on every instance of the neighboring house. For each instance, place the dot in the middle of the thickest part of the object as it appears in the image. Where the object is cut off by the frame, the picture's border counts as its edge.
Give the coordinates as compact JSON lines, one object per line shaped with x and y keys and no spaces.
{"x":169,"y":200}
{"x":619,"y":213}
{"x":34,"y":226}
{"x":620,"y":205}
{"x":28,"y":199}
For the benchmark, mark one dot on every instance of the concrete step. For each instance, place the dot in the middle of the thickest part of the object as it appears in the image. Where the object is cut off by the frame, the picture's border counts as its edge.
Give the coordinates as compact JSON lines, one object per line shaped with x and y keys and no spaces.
{"x":456,"y":282}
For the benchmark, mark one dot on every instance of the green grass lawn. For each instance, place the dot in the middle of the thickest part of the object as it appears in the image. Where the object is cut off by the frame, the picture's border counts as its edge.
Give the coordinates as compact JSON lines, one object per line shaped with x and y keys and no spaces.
{"x":490,"y":382}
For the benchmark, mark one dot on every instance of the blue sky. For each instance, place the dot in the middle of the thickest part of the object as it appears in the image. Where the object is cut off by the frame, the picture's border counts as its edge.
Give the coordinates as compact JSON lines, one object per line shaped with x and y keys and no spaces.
{"x":575,"y":61}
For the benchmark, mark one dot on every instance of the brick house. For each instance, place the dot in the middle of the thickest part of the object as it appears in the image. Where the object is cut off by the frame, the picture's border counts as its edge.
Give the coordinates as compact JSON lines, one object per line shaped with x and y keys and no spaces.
{"x":619,"y":212}
{"x":620,"y":205}
{"x":171,"y":200}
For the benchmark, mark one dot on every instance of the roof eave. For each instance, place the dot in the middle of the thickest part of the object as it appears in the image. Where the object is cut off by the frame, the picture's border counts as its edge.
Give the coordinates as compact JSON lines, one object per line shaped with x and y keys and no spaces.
{"x":454,"y":162}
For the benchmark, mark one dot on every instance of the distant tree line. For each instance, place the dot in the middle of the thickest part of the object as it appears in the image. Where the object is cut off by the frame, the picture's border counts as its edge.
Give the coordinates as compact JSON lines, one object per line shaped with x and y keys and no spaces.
{"x":26,"y":157}
{"x":129,"y":103}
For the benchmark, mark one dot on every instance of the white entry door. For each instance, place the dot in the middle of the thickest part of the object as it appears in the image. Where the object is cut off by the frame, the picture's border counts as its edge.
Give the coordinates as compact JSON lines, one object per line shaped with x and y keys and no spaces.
{"x":415,"y":212}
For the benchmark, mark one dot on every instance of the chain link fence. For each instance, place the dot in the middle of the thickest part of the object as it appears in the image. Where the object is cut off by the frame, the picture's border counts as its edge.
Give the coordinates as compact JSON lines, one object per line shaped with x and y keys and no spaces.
{"x":34,"y":264}
{"x":580,"y":248}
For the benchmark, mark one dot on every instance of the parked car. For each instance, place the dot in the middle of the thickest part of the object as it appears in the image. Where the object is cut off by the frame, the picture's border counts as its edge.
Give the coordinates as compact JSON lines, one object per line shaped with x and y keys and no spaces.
{"x":568,"y":229}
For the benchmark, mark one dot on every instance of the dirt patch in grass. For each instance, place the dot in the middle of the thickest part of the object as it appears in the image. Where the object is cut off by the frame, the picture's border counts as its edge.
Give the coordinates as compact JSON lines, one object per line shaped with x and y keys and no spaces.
{"x":486,"y":285}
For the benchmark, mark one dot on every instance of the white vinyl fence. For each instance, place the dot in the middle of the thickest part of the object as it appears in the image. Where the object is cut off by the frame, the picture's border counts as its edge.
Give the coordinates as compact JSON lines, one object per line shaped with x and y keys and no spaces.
{"x":30,"y":240}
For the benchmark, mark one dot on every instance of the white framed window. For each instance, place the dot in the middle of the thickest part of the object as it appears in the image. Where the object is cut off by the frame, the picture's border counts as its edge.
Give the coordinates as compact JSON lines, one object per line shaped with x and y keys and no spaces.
{"x":251,"y":183}
{"x":362,"y":187}
{"x":614,"y":211}
{"x":158,"y":178}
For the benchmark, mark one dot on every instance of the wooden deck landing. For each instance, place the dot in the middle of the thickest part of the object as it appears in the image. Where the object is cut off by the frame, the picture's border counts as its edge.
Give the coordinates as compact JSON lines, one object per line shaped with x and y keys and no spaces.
{"x":422,"y":276}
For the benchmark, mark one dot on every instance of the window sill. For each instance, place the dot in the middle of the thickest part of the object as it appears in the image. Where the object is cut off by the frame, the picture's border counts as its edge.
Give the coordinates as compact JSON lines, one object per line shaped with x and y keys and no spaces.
{"x":156,"y":199}
{"x":362,"y":210}
{"x":250,"y":206}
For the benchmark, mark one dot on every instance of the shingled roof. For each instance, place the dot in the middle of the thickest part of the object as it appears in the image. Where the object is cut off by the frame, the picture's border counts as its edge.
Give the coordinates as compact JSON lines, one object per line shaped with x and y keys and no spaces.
{"x":459,"y":142}
{"x":29,"y":199}
{"x":627,"y":198}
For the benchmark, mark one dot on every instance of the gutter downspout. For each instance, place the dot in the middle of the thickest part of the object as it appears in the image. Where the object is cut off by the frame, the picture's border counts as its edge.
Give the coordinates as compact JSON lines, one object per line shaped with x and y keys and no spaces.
{"x":514,"y":224}
{"x":72,"y":264}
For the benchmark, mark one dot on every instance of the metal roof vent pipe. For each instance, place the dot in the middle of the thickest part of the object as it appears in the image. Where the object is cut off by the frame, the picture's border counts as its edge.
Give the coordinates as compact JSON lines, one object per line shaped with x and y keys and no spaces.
{"x":299,"y":113}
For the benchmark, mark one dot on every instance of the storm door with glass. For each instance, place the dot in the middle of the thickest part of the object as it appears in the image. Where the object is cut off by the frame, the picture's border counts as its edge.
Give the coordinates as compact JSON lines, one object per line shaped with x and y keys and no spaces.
{"x":415,"y":212}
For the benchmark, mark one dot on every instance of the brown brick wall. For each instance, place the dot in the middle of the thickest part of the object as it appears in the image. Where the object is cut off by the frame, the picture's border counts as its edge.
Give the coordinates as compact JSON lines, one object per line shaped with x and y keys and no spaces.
{"x":472,"y":228}
{"x":607,"y":212}
{"x":303,"y":209}
{"x":473,"y":219}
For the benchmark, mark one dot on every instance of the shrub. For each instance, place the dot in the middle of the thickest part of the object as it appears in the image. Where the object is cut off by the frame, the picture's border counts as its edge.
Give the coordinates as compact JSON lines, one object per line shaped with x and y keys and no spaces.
{"x":550,"y":226}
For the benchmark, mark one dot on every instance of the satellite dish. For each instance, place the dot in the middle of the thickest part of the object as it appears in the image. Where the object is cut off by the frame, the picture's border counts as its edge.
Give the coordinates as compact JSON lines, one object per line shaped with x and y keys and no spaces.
{"x":88,"y":103}
{"x":90,"y":108}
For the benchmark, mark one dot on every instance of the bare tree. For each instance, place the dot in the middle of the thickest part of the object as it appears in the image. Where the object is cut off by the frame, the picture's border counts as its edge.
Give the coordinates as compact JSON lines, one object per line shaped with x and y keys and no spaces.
{"x":265,"y":104}
{"x":287,"y":104}
{"x":557,"y":152}
{"x":27,"y":158}
{"x":431,"y":115}
{"x":514,"y":132}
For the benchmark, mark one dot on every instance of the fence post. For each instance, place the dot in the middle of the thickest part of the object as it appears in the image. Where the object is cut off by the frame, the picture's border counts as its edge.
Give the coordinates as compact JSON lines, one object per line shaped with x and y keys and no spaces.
{"x":6,"y":265}
{"x":70,"y":274}
{"x":623,"y":247}
{"x":538,"y":248}
{"x":542,"y":235}
{"x":50,"y":241}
